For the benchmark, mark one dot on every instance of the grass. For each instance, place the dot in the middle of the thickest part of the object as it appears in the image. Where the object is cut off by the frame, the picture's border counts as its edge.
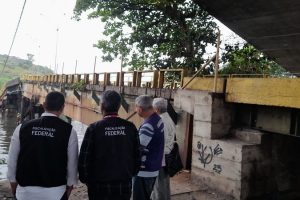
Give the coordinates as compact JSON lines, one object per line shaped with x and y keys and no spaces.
{"x":16,"y":70}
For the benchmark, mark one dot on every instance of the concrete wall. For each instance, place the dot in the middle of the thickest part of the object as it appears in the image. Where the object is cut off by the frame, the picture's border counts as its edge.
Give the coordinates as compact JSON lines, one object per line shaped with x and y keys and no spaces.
{"x":216,"y":163}
{"x":238,"y":163}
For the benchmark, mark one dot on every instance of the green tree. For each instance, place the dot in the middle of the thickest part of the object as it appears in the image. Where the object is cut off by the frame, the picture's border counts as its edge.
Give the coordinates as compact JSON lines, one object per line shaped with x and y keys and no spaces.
{"x":159,"y":33}
{"x":30,"y":57}
{"x":248,"y":60}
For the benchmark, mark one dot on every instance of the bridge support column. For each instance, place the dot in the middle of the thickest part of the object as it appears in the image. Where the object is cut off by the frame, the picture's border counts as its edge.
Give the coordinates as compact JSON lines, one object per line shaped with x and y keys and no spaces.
{"x":220,"y":162}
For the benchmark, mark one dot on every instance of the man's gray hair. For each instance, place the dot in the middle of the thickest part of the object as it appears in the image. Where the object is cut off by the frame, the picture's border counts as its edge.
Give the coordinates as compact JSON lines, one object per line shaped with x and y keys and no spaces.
{"x":160,"y":104}
{"x":144,"y":101}
{"x":110,"y":101}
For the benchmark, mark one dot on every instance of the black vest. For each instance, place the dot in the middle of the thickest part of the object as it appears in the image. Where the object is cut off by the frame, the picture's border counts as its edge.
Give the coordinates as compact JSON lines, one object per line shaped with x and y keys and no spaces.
{"x":43,"y":154}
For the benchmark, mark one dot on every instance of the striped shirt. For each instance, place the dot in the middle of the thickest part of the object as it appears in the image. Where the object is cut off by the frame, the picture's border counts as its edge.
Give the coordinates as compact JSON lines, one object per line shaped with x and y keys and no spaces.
{"x":151,"y":135}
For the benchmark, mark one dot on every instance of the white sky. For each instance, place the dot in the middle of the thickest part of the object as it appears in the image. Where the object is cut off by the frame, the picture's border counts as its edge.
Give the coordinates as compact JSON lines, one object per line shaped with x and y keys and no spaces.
{"x":38,"y":34}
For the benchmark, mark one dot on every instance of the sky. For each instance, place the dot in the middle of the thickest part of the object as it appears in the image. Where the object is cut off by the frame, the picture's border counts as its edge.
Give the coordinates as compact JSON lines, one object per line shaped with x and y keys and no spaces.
{"x":47,"y":23}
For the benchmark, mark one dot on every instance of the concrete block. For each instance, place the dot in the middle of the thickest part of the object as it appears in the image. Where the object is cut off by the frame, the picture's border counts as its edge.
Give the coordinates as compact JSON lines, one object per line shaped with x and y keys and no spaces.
{"x":112,"y":87}
{"x":218,"y":166}
{"x":218,"y":102}
{"x":256,"y":171}
{"x":187,"y":92}
{"x":164,"y":93}
{"x":249,"y":135}
{"x":203,"y":113}
{"x":185,"y":196}
{"x":209,"y":195}
{"x":218,"y":183}
{"x":202,"y":129}
{"x":221,"y":115}
{"x":257,"y":189}
{"x":203,"y":98}
{"x":219,"y":130}
{"x":98,"y":88}
{"x":228,"y":149}
{"x":130,"y":90}
{"x":186,"y":99}
{"x":151,"y":92}
{"x":255,"y":153}
{"x":141,"y":91}
{"x":187,"y":104}
{"x":276,"y":120}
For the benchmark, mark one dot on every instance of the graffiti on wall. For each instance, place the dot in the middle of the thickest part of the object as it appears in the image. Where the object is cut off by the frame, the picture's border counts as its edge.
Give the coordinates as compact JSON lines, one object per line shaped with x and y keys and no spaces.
{"x":207,"y":154}
{"x":217,"y":168}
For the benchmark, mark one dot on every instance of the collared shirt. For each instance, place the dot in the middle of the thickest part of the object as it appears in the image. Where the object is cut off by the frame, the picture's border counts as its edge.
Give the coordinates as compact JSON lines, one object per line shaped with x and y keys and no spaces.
{"x":169,"y":133}
{"x":35,"y":192}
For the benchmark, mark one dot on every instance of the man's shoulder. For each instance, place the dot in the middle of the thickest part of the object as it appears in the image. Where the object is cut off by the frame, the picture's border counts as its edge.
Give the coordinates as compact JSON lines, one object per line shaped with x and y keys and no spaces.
{"x":60,"y":122}
{"x":126,"y":122}
{"x":107,"y":122}
{"x":29,"y":122}
{"x":154,"y":121}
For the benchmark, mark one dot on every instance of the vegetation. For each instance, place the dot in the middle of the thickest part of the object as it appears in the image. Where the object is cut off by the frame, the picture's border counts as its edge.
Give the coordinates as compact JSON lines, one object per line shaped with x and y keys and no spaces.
{"x":17,"y":67}
{"x":248,"y":60}
{"x":159,"y":34}
{"x":80,"y":86}
{"x":167,"y":34}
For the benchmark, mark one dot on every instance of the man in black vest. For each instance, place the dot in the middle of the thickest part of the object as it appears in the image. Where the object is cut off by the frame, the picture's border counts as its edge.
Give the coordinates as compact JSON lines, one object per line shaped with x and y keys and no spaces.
{"x":43,"y":154}
{"x":109,"y":156}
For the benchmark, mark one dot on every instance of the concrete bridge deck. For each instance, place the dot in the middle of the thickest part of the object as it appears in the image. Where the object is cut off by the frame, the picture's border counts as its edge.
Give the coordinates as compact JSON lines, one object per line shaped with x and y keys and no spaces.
{"x":271,"y":26}
{"x":232,"y":142}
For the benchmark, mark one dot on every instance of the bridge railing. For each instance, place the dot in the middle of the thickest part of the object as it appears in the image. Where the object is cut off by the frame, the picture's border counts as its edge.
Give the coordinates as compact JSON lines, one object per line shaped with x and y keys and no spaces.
{"x":164,"y":78}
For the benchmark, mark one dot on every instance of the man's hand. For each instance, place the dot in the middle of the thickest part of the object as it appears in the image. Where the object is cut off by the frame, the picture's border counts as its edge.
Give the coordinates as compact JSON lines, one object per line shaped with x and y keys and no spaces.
{"x":13,"y":187}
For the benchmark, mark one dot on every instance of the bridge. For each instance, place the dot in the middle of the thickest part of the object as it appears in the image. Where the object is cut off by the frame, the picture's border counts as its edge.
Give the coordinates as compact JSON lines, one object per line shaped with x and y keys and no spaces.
{"x":237,"y":135}
{"x":271,"y":26}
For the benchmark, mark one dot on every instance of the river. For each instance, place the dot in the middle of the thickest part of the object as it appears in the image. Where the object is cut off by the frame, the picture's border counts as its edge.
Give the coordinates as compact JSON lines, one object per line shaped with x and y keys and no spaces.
{"x":8,"y":121}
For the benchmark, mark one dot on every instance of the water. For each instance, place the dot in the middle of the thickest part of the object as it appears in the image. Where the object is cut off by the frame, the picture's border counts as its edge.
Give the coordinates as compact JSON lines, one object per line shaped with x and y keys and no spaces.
{"x":8,"y":124}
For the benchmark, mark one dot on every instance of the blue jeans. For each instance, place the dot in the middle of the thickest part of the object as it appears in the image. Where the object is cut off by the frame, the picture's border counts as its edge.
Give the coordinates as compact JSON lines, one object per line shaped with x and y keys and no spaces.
{"x":142,"y":187}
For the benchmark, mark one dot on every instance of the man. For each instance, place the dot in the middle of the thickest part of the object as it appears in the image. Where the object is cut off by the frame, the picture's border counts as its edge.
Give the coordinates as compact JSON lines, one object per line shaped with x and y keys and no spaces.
{"x":151,"y":135}
{"x":161,"y":190}
{"x":109,"y":156}
{"x":43,"y":155}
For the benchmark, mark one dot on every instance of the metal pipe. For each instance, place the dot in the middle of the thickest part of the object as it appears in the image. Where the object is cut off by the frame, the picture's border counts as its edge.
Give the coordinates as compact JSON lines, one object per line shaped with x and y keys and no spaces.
{"x":130,"y":116}
{"x":211,"y":59}
{"x":217,"y":61}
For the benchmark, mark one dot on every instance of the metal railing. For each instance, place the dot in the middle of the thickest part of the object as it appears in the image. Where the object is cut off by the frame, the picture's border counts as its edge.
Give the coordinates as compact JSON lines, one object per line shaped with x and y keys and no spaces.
{"x":151,"y":78}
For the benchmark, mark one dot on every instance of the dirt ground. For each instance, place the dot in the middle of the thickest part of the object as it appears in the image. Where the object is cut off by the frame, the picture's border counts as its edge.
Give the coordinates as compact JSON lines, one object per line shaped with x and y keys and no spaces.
{"x":180,"y":184}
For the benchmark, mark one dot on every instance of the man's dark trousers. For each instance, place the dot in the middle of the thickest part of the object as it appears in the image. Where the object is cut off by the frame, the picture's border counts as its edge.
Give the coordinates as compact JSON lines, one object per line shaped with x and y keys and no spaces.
{"x":110,"y":191}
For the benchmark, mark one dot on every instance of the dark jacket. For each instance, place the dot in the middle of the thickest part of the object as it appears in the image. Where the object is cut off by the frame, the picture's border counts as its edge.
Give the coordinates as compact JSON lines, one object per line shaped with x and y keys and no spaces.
{"x":109,"y":152}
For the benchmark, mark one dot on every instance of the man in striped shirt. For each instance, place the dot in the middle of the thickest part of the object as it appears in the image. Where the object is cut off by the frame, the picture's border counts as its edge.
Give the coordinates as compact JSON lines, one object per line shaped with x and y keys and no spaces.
{"x":151,"y":134}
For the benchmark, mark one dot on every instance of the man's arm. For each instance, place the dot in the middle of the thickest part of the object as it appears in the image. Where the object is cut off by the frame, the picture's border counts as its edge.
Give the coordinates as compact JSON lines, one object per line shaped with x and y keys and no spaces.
{"x":169,"y":132}
{"x":146,"y":133}
{"x":85,"y":155}
{"x":72,"y":161}
{"x":13,"y":154}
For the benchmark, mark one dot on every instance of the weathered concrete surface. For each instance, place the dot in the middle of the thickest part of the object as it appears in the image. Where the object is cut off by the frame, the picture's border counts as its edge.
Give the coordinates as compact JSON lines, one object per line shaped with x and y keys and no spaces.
{"x":283,"y":92}
{"x":238,"y":164}
{"x":81,"y":106}
{"x":205,"y":84}
{"x":271,"y":26}
{"x":212,"y":116}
